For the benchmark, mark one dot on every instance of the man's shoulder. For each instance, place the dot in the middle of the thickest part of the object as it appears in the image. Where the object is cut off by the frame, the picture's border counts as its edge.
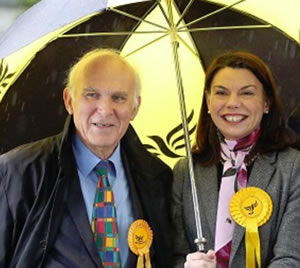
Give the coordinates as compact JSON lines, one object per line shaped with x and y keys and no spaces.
{"x":25,"y":167}
{"x":31,"y":152}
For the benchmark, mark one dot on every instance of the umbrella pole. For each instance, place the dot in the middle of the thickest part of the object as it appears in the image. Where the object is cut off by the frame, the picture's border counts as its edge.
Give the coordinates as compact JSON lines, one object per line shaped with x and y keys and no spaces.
{"x":200,"y":240}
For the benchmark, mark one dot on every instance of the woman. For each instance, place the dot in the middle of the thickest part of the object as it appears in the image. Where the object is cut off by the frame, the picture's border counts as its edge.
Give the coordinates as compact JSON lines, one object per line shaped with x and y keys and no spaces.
{"x":241,"y":141}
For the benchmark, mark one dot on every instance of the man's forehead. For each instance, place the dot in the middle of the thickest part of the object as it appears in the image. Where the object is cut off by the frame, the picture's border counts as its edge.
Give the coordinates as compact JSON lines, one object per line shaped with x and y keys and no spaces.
{"x":109,"y":91}
{"x":110,"y":70}
{"x":105,"y":61}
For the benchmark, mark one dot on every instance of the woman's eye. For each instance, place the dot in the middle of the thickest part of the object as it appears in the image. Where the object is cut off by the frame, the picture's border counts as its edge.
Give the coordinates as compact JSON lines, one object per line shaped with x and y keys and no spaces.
{"x":248,"y":93}
{"x":220,"y":92}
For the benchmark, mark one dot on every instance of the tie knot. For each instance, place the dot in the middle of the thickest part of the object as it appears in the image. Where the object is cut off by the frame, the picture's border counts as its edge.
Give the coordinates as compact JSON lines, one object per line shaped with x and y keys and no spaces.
{"x":102,"y":167}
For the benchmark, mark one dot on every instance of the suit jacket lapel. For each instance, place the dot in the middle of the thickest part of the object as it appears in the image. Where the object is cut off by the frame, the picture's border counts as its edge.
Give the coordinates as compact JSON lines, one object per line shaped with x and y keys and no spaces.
{"x":77,"y":210}
{"x":76,"y":206}
{"x":133,"y":193}
{"x":260,"y":177}
{"x":136,"y":204}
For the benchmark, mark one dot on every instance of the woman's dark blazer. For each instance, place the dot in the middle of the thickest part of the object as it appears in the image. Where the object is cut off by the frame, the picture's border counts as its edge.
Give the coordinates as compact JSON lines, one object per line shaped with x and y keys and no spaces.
{"x":279,"y":175}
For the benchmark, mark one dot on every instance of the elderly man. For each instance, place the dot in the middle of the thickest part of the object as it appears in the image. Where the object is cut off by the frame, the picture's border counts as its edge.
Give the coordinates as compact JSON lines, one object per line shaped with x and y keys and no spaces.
{"x":69,"y":200}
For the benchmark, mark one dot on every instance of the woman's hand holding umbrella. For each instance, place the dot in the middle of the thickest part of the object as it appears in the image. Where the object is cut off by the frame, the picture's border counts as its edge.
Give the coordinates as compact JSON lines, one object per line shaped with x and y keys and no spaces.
{"x":201,"y":260}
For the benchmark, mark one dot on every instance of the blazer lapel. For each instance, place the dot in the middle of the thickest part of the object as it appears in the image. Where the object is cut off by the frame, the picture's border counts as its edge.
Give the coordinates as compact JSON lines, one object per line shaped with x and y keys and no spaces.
{"x":260,"y":177}
{"x":207,"y":190}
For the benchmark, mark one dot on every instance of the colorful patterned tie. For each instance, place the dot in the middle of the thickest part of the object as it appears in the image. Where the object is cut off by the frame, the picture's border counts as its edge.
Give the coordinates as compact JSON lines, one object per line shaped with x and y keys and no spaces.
{"x":104,"y":225}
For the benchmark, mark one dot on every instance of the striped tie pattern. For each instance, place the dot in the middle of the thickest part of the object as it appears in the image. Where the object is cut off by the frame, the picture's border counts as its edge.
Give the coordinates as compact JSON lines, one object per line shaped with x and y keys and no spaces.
{"x":104,"y":225}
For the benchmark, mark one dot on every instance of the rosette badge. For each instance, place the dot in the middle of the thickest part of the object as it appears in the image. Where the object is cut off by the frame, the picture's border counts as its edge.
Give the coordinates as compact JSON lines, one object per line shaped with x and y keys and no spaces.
{"x":251,"y":207}
{"x":140,"y":238}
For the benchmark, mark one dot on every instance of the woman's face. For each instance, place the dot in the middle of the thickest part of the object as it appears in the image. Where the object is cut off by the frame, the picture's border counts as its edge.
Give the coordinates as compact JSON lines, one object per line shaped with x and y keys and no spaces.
{"x":236,"y":102}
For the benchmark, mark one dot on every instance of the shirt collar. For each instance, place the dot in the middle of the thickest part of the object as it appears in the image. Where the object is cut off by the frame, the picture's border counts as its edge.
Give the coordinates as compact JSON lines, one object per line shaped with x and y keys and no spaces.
{"x":87,"y":160}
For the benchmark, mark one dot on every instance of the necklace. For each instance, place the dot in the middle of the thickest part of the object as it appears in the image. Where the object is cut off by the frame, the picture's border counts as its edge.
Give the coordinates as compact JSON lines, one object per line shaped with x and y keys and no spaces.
{"x":248,"y":162}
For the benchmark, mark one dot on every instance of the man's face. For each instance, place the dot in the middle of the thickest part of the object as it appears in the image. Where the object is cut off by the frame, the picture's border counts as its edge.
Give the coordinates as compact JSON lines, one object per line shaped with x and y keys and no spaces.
{"x":103,"y":104}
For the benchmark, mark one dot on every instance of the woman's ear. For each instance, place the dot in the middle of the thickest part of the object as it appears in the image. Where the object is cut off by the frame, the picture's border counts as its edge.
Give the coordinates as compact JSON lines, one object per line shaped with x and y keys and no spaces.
{"x":207,"y":99}
{"x":266,"y":106}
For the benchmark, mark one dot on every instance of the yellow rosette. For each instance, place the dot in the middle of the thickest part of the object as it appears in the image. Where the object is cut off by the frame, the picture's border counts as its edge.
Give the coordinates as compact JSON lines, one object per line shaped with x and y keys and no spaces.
{"x":140,"y":238}
{"x":251,"y":207}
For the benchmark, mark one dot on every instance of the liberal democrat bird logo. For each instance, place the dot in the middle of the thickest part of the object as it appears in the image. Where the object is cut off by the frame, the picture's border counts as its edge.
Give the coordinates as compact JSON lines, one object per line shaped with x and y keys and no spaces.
{"x":5,"y":76}
{"x":139,"y":239}
{"x":173,"y":141}
{"x":251,"y":208}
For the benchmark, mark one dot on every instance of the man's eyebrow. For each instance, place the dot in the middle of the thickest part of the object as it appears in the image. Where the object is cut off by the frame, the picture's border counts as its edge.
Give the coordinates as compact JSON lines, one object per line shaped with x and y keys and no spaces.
{"x":89,"y":89}
{"x":120,"y":93}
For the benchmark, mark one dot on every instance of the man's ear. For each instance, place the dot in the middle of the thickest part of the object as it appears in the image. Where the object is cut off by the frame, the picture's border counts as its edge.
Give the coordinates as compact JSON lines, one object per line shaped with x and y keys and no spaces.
{"x":136,"y":107}
{"x":68,"y":101}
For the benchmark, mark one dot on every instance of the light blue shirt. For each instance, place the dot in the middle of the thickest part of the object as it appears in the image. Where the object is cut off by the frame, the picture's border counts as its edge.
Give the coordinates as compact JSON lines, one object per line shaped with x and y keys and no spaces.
{"x":86,"y":162}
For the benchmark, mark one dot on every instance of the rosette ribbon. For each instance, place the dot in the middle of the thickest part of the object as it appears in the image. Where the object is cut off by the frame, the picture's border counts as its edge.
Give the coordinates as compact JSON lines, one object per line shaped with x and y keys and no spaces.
{"x":144,"y":258}
{"x":251,"y":207}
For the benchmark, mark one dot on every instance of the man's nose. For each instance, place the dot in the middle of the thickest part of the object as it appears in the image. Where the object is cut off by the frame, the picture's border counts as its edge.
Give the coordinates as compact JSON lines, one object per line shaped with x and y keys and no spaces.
{"x":105,"y":106}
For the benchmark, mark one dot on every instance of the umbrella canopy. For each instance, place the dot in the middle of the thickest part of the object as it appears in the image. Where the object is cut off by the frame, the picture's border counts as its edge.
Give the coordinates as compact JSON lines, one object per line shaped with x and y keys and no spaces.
{"x":282,"y":14}
{"x":54,"y":15}
{"x":32,"y":77}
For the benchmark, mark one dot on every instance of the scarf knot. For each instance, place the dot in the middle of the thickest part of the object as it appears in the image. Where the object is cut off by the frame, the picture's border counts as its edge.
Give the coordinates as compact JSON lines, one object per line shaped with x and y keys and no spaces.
{"x":233,"y":154}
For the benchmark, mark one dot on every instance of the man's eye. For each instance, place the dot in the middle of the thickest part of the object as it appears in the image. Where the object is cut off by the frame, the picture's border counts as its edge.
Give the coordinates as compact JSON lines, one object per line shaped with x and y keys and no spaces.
{"x":119,"y":98}
{"x":91,"y":95}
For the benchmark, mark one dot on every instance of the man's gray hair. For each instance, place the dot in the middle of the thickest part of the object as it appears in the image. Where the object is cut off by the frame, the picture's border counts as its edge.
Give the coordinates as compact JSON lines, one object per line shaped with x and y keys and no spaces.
{"x":95,"y":53}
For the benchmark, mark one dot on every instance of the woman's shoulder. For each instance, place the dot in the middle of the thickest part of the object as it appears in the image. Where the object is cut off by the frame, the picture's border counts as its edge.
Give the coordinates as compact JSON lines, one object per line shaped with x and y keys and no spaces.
{"x":181,"y":164}
{"x":286,"y":159}
{"x":180,"y":170}
{"x":289,"y":154}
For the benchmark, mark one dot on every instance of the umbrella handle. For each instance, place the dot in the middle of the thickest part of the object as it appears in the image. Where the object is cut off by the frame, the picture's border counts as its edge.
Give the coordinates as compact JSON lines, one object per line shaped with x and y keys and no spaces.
{"x":200,"y":242}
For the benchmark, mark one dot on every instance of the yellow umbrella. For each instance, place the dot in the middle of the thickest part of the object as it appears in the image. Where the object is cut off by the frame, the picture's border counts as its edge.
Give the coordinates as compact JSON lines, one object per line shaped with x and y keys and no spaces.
{"x":160,"y":137}
{"x":169,"y":42}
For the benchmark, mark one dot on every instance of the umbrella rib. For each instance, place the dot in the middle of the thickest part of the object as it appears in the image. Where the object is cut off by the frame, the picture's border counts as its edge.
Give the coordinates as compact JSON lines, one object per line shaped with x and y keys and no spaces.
{"x":110,"y":33}
{"x":227,"y":28}
{"x":146,"y":45}
{"x":188,"y":46}
{"x":163,"y":12}
{"x":137,"y":18}
{"x":184,"y":12}
{"x":211,"y":14}
{"x":193,"y":51}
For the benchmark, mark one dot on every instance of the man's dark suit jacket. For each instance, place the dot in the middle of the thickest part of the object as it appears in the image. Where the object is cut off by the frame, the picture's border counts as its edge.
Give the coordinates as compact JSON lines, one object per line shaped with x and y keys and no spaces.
{"x":43,"y":217}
